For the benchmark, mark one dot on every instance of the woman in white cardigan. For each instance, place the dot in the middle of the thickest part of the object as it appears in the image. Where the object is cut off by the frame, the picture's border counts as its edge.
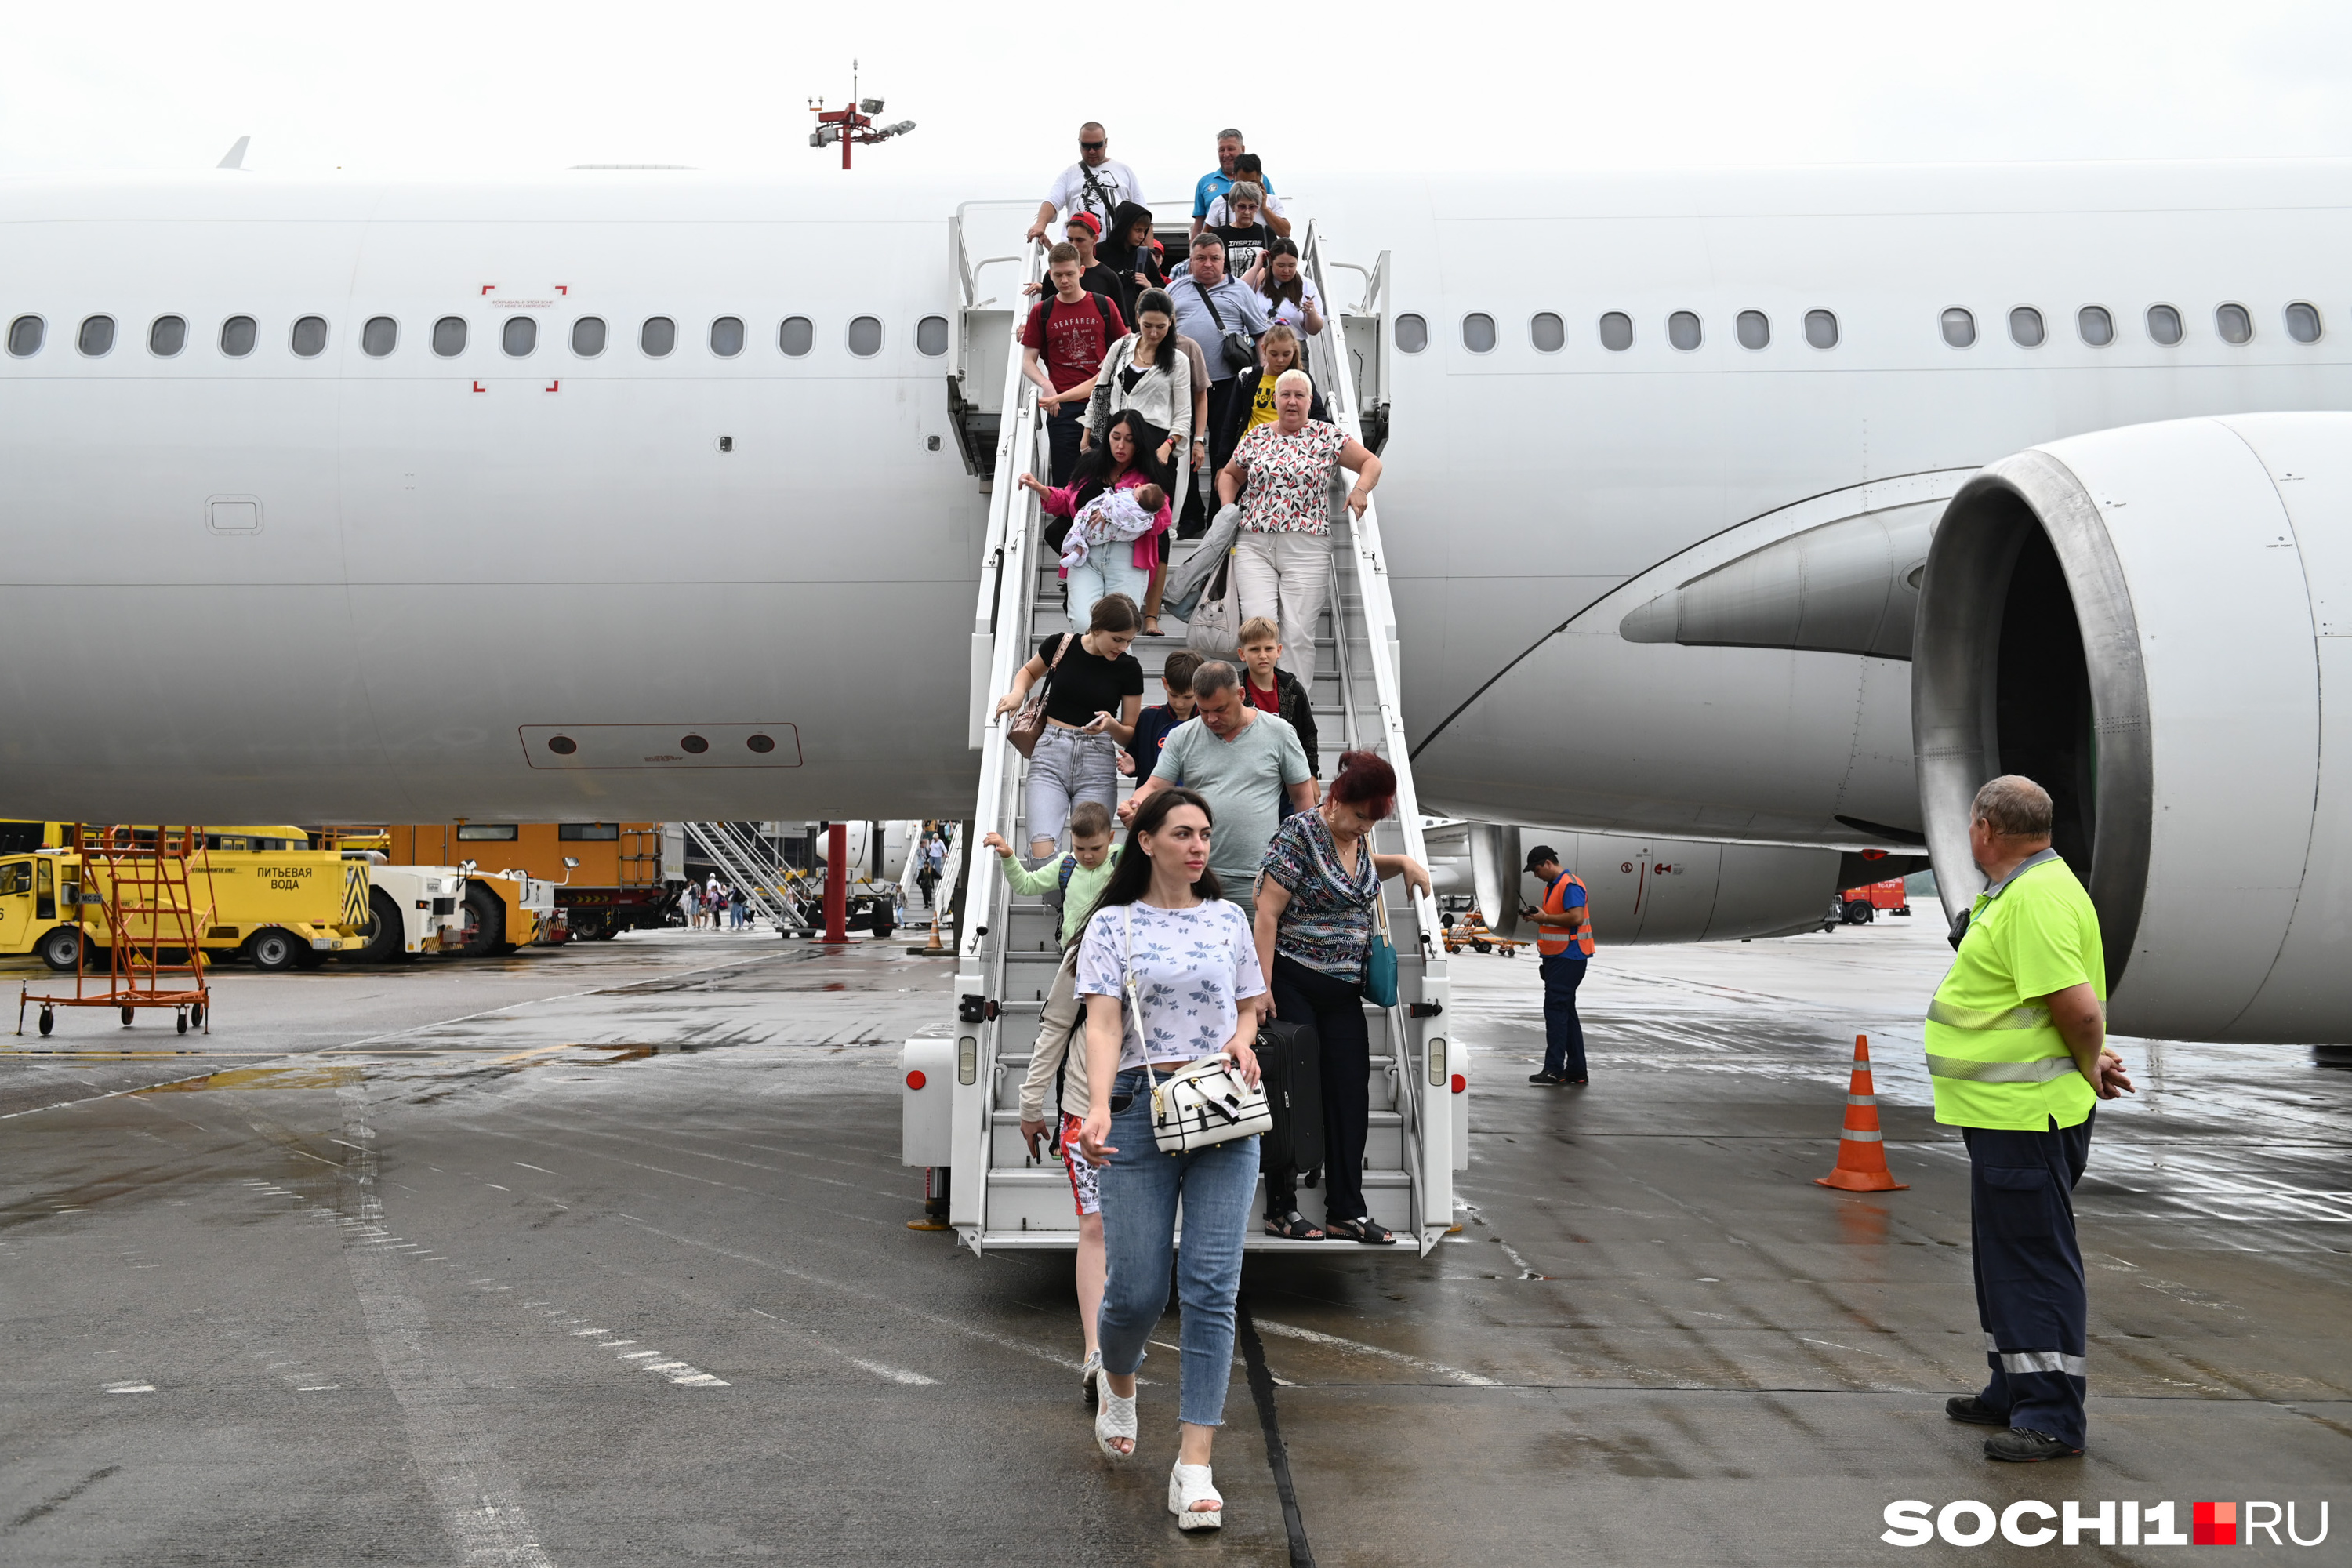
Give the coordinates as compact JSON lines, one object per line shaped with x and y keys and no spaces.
{"x":1148,"y":371}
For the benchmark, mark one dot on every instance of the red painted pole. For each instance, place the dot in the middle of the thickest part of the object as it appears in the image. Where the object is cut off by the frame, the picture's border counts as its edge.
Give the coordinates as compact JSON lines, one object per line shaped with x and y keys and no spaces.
{"x":848,"y":126}
{"x":836,"y":884}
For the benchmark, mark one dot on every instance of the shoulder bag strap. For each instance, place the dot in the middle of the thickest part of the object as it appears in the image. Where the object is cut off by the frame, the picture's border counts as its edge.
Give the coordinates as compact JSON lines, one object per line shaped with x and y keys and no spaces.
{"x":1088,"y":175}
{"x":1210,"y":300}
{"x":1134,"y":997}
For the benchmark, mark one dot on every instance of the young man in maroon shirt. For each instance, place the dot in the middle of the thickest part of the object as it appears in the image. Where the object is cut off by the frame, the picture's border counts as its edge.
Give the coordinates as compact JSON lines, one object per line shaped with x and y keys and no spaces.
{"x":1062,"y":347}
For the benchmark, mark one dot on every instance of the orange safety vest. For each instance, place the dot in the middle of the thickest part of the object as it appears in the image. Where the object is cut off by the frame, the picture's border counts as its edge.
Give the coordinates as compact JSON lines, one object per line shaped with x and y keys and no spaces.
{"x":1554,"y":902}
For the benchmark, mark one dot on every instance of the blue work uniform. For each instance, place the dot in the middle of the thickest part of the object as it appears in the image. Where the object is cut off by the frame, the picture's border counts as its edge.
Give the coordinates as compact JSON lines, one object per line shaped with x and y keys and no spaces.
{"x":1561,"y":959}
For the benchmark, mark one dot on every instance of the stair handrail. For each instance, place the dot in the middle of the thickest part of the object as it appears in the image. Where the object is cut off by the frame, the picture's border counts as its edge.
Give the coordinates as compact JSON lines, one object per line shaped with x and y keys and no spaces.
{"x":1367,"y":561}
{"x":718,"y":842}
{"x":1000,"y":648}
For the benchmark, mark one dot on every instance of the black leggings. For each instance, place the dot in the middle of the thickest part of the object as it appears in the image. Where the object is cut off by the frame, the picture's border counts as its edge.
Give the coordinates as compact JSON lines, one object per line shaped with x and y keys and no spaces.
{"x":1337,"y":1008}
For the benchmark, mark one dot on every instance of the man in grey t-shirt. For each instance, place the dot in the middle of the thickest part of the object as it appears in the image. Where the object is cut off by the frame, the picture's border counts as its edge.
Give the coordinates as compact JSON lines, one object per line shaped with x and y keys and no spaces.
{"x":1241,"y":761}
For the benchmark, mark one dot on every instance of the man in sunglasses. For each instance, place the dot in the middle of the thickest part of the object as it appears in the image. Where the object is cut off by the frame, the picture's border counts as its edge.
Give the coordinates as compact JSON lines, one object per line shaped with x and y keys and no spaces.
{"x":1096,"y":184}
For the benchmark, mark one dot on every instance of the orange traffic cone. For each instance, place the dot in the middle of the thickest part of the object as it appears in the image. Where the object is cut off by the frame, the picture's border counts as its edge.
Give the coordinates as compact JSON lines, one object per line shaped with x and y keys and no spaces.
{"x":1861,"y":1151}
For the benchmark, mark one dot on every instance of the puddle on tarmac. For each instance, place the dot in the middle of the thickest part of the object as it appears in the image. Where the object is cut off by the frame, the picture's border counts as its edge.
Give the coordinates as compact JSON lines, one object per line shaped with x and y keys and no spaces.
{"x":322,"y":1077}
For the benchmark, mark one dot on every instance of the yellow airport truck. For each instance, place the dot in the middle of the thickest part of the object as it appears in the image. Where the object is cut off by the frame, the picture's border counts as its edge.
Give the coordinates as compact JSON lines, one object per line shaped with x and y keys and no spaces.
{"x":274,"y":901}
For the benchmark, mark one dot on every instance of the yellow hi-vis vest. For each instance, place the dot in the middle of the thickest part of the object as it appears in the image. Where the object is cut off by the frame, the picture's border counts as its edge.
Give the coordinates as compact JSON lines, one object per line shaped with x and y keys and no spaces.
{"x":1993,"y":1055}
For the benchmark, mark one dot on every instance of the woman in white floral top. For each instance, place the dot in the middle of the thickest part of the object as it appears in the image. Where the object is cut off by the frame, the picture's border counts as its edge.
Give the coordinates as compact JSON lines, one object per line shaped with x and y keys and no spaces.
{"x":1196,"y":982}
{"x":1282,"y":474}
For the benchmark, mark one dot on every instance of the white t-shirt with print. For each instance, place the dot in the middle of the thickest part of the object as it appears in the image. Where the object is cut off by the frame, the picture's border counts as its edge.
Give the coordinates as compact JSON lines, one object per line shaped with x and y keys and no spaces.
{"x":1193,"y":967}
{"x":1289,"y":312}
{"x":1070,"y":194}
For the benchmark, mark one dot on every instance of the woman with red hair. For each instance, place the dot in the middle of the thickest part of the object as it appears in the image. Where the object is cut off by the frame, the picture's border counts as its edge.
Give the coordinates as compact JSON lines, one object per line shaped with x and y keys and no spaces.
{"x":1315,"y":922}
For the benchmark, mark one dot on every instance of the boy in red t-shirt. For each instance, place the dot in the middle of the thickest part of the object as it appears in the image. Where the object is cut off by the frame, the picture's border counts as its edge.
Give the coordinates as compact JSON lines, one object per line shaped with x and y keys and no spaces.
{"x":1270,"y":688}
{"x":1070,"y":333}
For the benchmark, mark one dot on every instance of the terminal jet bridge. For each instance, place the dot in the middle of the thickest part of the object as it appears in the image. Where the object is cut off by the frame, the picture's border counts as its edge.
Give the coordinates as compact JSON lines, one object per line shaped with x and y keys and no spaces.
{"x":962,"y":1093}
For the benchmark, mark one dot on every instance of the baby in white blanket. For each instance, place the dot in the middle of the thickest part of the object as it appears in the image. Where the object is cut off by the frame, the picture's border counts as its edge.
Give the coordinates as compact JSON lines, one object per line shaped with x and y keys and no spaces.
{"x":1114,"y":517}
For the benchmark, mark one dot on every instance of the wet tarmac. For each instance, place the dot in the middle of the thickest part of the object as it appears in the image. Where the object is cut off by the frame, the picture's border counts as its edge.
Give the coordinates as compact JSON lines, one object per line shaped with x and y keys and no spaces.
{"x":599,"y":1255}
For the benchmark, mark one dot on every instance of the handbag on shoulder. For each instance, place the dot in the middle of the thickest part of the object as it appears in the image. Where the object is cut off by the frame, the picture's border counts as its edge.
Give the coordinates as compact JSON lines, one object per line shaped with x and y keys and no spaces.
{"x":1381,"y":960}
{"x":1201,"y":1103}
{"x":1028,"y":726}
{"x":1238,"y":350}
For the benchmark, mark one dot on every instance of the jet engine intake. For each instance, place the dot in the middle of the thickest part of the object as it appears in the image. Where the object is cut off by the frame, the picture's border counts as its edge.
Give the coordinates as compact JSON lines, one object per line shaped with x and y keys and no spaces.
{"x":2142,"y":620}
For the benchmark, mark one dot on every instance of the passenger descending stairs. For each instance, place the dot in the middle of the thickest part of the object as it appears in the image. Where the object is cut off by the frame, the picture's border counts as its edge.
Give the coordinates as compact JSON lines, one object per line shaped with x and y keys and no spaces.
{"x":1007,"y":951}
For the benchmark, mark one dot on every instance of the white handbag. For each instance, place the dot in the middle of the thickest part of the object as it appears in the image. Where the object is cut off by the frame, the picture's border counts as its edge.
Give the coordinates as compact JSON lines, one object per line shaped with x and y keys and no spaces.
{"x":1202,"y":1102}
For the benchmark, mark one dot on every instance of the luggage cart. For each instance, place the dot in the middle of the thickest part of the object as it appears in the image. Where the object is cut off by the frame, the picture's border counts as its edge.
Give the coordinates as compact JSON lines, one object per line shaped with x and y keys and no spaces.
{"x":139,"y":880}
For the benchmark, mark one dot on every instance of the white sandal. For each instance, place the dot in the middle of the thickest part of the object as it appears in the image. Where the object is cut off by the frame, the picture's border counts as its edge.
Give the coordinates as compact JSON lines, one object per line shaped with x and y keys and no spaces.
{"x":1087,"y":1375}
{"x":1115,"y":1419}
{"x":1189,"y":1484}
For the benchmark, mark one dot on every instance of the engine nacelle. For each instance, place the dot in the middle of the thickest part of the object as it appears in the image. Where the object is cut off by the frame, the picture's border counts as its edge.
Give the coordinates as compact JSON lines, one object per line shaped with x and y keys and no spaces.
{"x":2142,"y":620}
{"x":1646,"y":889}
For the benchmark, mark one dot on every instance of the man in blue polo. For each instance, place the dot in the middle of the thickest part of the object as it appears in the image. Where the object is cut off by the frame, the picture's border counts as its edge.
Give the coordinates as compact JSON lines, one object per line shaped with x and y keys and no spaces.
{"x":1563,"y":947}
{"x":2017,"y":1052}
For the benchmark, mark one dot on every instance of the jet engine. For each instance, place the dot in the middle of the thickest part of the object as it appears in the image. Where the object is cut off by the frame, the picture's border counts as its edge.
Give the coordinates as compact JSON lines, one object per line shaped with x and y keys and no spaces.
{"x":2144,"y":620}
{"x":1646,"y":889}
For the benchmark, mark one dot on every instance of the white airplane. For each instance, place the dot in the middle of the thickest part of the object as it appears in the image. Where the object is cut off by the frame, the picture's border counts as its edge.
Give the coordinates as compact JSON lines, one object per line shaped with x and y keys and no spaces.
{"x":641,"y":493}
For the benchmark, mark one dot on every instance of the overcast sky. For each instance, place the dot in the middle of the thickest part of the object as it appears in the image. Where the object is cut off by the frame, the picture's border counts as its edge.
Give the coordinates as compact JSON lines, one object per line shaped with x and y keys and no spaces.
{"x":429,"y":88}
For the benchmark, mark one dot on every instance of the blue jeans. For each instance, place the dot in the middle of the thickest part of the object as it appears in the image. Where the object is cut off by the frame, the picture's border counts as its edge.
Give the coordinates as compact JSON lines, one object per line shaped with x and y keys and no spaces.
{"x":1563,"y":1030}
{"x":1066,"y":768}
{"x":1141,"y":1189}
{"x":1108,"y":569}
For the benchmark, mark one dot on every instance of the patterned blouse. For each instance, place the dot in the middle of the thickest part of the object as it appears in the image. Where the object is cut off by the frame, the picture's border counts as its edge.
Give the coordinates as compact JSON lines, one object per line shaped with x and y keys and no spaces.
{"x":1327,"y":924}
{"x":1192,"y":969}
{"x":1289,"y":478}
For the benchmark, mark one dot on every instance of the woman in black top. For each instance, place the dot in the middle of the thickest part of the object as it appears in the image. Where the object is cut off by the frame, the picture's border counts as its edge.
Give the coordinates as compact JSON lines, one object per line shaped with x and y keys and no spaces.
{"x":1094,"y":693}
{"x":1129,"y":250}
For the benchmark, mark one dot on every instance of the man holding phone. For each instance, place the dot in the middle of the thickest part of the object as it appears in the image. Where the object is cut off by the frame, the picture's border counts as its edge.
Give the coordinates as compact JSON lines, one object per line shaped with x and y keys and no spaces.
{"x":1563,"y":948}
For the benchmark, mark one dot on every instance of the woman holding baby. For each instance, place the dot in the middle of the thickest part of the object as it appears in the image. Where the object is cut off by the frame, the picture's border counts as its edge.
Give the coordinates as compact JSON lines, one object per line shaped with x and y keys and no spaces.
{"x":1116,"y":560}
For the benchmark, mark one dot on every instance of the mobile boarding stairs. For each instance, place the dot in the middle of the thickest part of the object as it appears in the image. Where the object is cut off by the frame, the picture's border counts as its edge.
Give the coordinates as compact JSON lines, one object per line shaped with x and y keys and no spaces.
{"x":962,"y":1092}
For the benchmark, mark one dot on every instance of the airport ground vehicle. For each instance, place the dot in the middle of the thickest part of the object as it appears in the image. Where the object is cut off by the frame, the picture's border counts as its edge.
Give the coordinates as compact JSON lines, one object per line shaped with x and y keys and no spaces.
{"x":604,"y":877}
{"x":1860,"y":906}
{"x":274,"y":901}
{"x":460,"y":909}
{"x":1470,"y":930}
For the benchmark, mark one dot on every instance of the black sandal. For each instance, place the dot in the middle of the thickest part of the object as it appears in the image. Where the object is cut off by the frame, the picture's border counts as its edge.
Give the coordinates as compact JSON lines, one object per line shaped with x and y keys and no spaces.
{"x":1364,"y":1228}
{"x":1292,"y":1226}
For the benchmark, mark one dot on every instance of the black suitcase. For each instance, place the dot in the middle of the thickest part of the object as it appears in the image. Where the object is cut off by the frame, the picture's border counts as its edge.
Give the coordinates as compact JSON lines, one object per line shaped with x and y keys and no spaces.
{"x":1291,"y":1058}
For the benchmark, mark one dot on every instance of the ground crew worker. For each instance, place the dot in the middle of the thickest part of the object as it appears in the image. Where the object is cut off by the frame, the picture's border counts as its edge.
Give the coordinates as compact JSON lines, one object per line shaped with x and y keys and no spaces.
{"x":2017,"y":1052}
{"x":1563,"y":946}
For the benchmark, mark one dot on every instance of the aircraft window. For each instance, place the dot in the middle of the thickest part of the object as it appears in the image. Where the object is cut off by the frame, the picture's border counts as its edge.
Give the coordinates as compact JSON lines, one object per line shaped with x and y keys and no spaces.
{"x":520,"y":336}
{"x":97,"y":335}
{"x":1616,"y":331}
{"x":2302,"y":323}
{"x":449,"y":336}
{"x":1959,"y":328}
{"x":1822,"y":329}
{"x":1478,"y":332}
{"x":2232,"y":322}
{"x":2025,"y":327}
{"x":168,"y":336}
{"x":2099,"y":328}
{"x":238,"y":334}
{"x":588,"y":336}
{"x":309,"y":336}
{"x":796,"y":336}
{"x":379,"y":336}
{"x":1683,"y":329}
{"x":587,"y":832}
{"x":1547,"y":332}
{"x":25,"y":335}
{"x":727,"y":336}
{"x":1411,"y":334}
{"x":1755,"y":329}
{"x":2164,"y":324}
{"x":658,"y":336}
{"x":864,"y":336}
{"x":931,"y":336}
